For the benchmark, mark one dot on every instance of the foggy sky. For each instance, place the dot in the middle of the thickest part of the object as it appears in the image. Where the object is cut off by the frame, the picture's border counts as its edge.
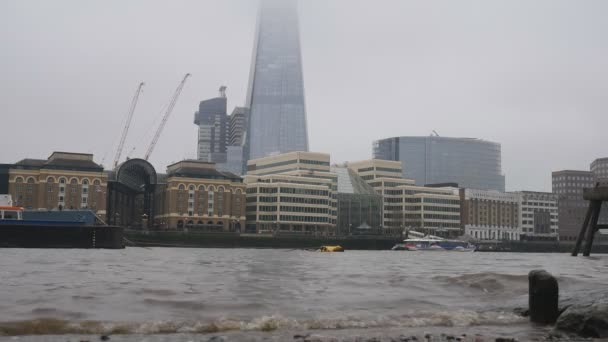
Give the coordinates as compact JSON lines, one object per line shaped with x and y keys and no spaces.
{"x":531,"y":75}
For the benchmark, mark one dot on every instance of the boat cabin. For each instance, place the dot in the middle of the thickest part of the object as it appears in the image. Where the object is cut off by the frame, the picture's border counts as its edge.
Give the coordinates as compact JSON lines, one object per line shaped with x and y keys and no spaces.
{"x":11,"y":213}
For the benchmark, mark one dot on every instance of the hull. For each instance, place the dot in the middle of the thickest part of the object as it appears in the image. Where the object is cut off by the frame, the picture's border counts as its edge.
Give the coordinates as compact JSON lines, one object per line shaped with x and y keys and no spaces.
{"x":60,"y":236}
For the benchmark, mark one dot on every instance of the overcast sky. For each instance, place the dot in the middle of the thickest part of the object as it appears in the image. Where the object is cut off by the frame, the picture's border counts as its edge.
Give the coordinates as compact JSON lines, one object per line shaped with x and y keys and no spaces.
{"x":532,"y":75}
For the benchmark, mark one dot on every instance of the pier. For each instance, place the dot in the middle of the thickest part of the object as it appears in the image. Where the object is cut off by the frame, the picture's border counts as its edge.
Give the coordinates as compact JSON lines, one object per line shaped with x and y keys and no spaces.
{"x":596,"y":196}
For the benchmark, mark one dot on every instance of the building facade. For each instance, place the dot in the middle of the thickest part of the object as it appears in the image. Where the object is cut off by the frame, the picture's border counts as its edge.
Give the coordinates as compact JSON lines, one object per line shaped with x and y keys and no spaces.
{"x":471,"y":163}
{"x":63,"y":181}
{"x":275,"y":98}
{"x":538,"y":217}
{"x":568,"y":185}
{"x":292,"y":193}
{"x":359,"y":206}
{"x":407,"y":206}
{"x":213,"y":135}
{"x":197,"y":197}
{"x":490,"y":215}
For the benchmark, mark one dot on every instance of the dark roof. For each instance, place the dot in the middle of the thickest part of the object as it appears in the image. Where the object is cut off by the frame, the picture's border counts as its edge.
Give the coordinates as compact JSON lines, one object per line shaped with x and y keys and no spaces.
{"x":61,"y":164}
{"x":31,"y":162}
{"x":206,"y":173}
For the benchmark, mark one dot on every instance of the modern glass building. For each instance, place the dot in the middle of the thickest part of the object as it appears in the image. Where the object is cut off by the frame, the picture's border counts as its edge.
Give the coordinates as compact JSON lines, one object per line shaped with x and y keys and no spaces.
{"x":359,"y":205}
{"x":471,"y":163}
{"x":212,"y":123}
{"x":277,"y":122}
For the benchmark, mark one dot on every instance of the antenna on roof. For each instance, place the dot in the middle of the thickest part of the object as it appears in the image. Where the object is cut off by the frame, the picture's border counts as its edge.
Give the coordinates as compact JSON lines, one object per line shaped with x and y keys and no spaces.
{"x":435,"y":132}
{"x":223,"y":91}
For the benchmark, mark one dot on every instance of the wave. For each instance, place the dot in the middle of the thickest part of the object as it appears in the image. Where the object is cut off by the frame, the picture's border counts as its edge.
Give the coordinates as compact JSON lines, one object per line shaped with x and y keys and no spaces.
{"x":488,"y":282}
{"x":459,"y":318}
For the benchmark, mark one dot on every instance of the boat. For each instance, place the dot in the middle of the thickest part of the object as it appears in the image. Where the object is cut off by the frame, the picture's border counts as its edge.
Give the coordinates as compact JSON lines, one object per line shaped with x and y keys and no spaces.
{"x":23,"y":228}
{"x":433,"y":243}
{"x":331,"y":249}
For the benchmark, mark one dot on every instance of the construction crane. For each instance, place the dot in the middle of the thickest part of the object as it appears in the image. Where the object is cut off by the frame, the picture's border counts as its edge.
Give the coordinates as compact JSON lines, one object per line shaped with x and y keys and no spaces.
{"x":125,"y":130}
{"x":166,"y":116}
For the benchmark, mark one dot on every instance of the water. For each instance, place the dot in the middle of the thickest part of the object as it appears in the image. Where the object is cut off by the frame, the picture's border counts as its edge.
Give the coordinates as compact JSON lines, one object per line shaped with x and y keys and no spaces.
{"x":256,"y":294}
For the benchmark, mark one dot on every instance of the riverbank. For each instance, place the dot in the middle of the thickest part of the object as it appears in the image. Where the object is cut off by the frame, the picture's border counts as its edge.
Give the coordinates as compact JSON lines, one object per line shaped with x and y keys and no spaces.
{"x":235,"y":240}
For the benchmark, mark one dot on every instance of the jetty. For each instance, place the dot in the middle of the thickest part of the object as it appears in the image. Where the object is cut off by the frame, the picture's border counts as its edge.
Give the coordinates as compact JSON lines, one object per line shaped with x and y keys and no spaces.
{"x":596,"y":196}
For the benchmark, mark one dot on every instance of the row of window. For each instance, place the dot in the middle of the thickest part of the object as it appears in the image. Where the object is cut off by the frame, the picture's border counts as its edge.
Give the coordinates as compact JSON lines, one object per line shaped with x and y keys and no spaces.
{"x":210,"y":188}
{"x":62,"y":180}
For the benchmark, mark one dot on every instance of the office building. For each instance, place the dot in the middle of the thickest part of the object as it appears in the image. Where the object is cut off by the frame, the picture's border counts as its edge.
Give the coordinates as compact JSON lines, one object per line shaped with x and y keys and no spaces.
{"x":359,"y":210}
{"x":490,"y":215}
{"x":538,"y":217}
{"x":275,"y":98}
{"x":407,"y":206}
{"x":568,"y":185}
{"x":64,"y":180}
{"x":471,"y":163}
{"x":292,"y":193}
{"x":212,"y":124}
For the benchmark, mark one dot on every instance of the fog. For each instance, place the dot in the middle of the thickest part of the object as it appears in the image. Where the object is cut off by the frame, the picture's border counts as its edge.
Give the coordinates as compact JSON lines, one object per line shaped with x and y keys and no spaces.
{"x":532,"y":75}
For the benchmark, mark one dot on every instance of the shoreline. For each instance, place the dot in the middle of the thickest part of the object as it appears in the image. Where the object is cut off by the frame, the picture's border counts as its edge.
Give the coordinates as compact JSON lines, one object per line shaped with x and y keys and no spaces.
{"x":181,"y":239}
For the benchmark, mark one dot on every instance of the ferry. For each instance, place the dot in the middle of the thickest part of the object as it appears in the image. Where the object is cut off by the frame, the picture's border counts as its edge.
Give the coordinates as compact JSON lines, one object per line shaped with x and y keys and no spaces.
{"x":433,"y":243}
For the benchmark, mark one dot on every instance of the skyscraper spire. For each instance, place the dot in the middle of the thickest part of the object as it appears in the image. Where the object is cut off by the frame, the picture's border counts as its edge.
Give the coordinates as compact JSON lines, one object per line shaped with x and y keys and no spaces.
{"x":277,"y":119}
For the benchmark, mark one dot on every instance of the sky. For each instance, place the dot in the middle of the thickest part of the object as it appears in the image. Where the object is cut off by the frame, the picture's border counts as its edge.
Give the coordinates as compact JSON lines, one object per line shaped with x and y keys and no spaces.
{"x":531,"y":75}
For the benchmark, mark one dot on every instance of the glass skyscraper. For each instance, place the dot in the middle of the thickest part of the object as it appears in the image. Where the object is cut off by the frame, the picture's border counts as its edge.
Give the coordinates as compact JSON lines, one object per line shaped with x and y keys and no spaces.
{"x":472,"y":163}
{"x":277,"y":117}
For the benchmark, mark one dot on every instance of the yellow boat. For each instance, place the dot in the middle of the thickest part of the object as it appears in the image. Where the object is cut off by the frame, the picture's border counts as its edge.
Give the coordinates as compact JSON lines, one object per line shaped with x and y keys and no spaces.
{"x":331,"y":249}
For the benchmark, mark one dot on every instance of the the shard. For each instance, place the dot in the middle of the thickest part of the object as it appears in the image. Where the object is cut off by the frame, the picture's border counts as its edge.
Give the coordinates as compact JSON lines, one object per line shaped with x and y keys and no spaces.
{"x":277,"y":117}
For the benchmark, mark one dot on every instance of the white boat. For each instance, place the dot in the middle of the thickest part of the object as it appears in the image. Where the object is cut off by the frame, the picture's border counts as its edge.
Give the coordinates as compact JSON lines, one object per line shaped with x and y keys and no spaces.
{"x":433,"y":243}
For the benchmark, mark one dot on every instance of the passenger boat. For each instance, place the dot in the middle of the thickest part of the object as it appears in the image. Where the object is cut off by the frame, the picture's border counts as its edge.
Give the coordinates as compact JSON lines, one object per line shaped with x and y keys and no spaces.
{"x":432,"y":243}
{"x":331,"y":249}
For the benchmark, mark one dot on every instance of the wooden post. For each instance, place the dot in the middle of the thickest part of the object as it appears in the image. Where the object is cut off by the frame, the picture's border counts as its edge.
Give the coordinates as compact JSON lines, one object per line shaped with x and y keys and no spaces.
{"x":581,"y":234}
{"x":597,"y":206}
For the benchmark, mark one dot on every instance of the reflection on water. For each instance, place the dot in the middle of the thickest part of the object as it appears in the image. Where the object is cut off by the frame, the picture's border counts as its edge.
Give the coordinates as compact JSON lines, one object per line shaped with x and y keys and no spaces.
{"x":165,"y":290}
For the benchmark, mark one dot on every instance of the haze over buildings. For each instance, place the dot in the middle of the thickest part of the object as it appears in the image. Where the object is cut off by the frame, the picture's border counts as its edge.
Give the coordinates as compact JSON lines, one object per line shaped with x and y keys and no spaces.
{"x":517,"y":73}
{"x":277,"y":122}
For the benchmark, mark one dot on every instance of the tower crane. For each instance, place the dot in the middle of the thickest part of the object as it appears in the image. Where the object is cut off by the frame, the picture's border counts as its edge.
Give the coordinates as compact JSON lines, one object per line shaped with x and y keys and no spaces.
{"x":166,"y":116}
{"x":125,"y":130}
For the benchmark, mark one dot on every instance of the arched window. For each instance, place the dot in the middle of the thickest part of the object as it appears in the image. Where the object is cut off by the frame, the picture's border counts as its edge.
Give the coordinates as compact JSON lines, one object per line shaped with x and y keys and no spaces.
{"x":221,"y":189}
{"x":181,"y":199}
{"x":96,"y":182}
{"x":191,"y":187}
{"x":201,"y":188}
{"x":62,"y":180}
{"x":84,"y":199}
{"x":19,"y":180}
{"x":50,"y":184}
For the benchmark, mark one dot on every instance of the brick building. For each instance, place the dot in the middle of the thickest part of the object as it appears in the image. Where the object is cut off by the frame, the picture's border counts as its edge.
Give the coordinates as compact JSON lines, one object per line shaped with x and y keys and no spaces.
{"x":196,"y":196}
{"x":64,"y":180}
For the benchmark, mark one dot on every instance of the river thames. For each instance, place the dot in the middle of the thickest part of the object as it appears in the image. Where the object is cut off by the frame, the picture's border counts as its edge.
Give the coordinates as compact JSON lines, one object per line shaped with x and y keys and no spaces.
{"x":155,"y":294}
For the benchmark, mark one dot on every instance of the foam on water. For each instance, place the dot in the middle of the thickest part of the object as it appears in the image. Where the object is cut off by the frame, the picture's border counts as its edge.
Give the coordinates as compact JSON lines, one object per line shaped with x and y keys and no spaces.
{"x":459,"y":318}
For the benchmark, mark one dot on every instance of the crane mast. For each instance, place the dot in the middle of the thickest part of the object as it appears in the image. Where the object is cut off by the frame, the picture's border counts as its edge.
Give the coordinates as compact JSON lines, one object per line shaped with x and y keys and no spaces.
{"x":166,"y":116}
{"x":125,"y":130}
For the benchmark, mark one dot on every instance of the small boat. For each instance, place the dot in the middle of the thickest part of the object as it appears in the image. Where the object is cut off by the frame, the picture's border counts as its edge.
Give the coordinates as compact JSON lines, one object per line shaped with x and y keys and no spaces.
{"x":404,"y":247}
{"x":331,"y":249}
{"x":433,"y":243}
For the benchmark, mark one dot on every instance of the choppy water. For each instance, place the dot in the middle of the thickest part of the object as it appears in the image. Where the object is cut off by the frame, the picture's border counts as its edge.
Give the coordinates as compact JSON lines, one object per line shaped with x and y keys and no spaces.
{"x":273,"y":294}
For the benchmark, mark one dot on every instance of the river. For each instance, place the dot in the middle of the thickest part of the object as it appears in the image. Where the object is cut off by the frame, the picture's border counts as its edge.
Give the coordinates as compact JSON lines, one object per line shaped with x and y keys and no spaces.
{"x":155,"y":294}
